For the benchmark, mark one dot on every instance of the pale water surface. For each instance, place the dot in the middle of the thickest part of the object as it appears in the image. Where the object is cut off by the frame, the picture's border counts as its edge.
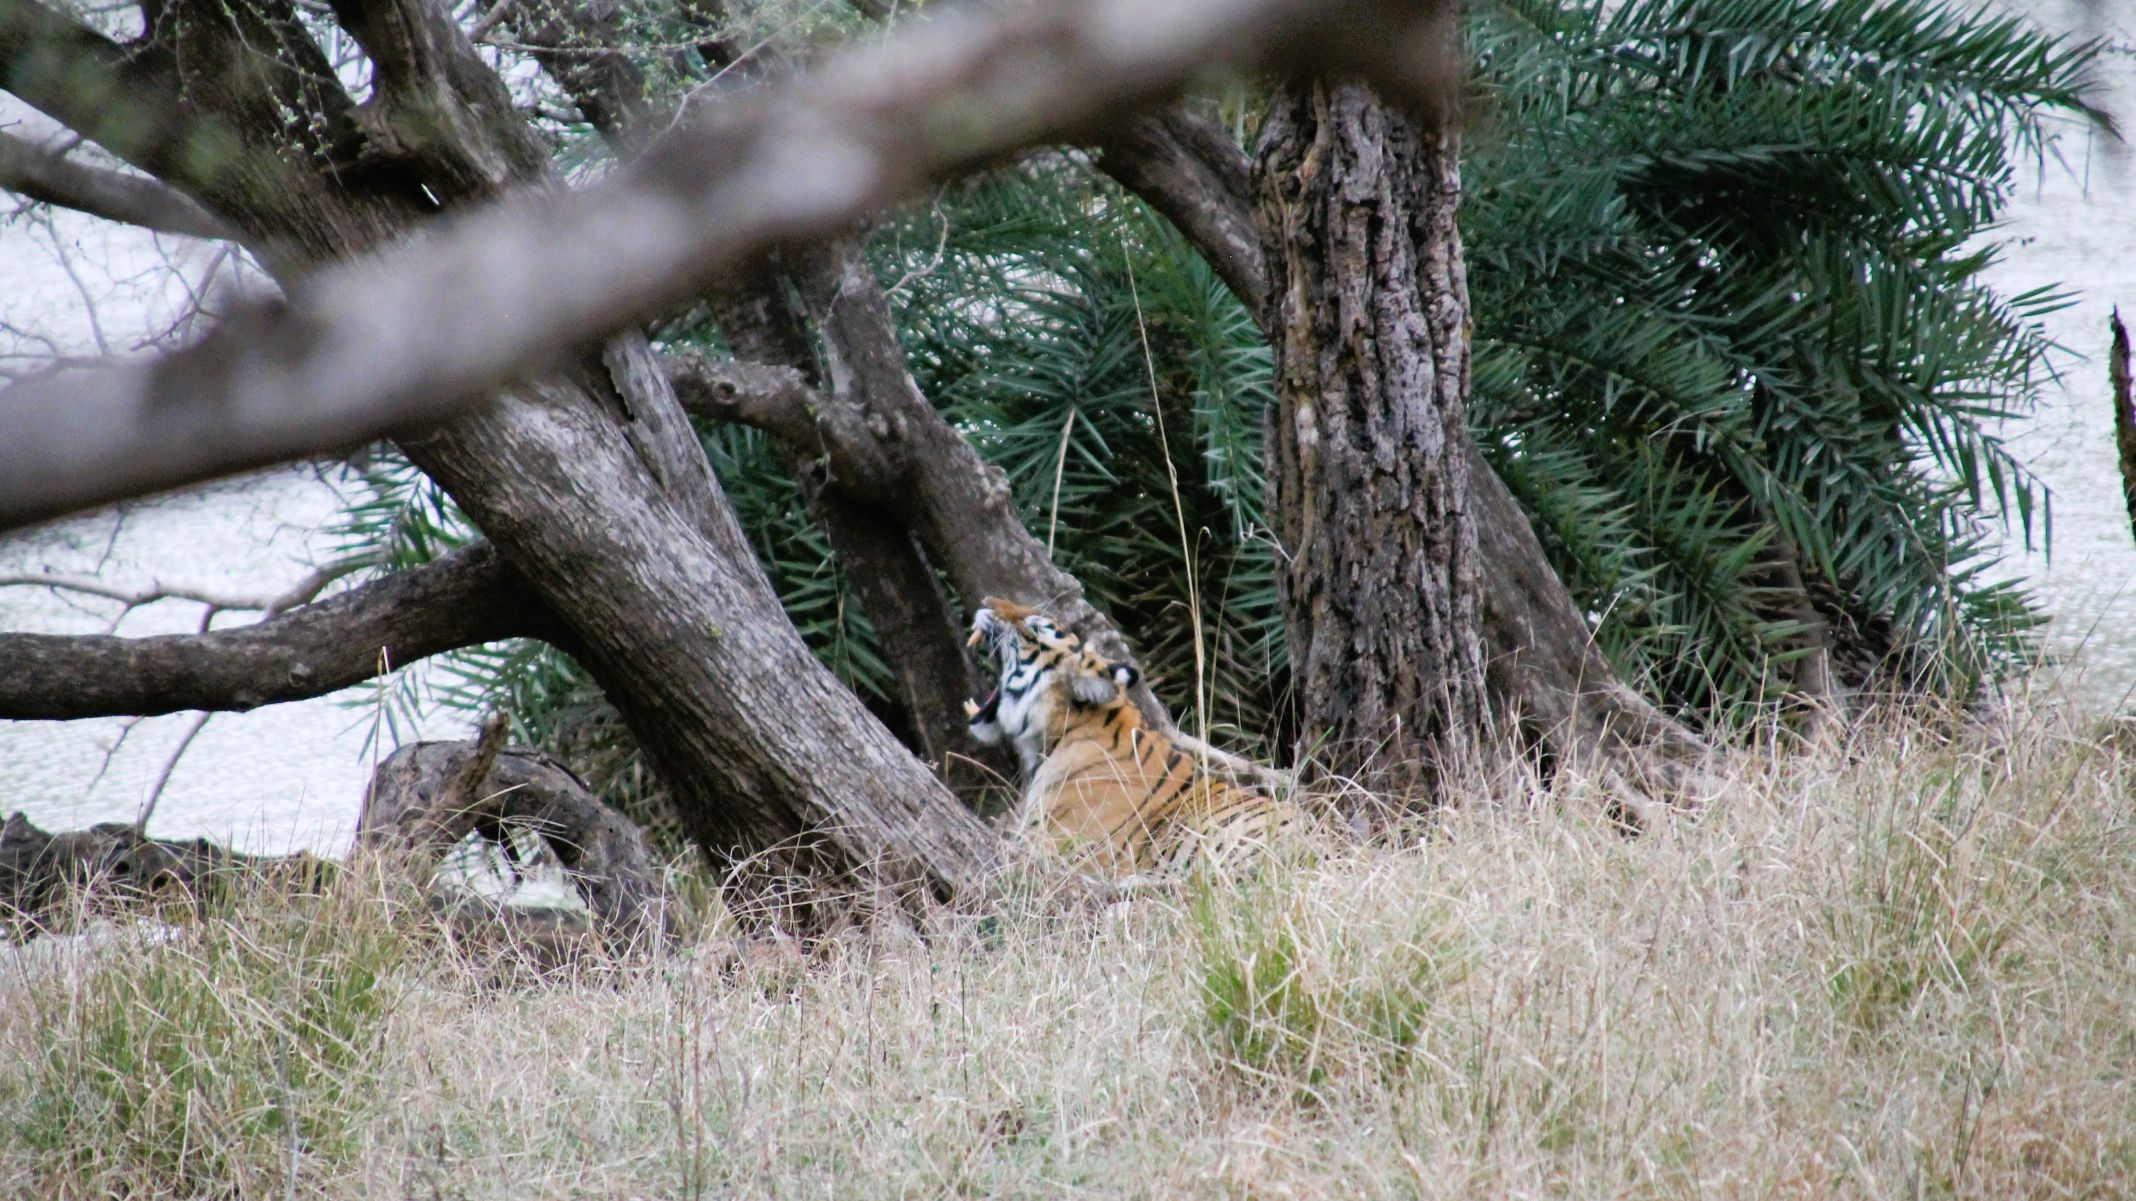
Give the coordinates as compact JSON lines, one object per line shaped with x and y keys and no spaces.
{"x":279,"y":778}
{"x":2071,"y":227}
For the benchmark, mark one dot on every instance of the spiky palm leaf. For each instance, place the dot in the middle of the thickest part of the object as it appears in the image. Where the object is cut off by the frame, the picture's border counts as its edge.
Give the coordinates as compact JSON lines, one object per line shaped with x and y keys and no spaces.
{"x":1730,"y":234}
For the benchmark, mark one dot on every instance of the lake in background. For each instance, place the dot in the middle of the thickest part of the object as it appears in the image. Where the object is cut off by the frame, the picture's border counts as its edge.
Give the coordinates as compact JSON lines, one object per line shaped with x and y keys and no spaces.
{"x":289,"y":776}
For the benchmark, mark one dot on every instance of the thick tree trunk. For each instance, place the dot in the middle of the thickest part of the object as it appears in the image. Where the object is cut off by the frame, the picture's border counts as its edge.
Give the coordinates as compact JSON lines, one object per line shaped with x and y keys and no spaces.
{"x":1546,"y":677}
{"x":1368,"y":466}
{"x":889,"y":573}
{"x":590,"y":483}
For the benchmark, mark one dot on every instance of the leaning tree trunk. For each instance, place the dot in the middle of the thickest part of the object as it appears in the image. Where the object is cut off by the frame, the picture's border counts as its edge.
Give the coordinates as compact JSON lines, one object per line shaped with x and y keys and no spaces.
{"x":1369,"y":316}
{"x":770,"y":761}
{"x":590,"y":483}
{"x":577,"y":45}
{"x":1549,"y":680}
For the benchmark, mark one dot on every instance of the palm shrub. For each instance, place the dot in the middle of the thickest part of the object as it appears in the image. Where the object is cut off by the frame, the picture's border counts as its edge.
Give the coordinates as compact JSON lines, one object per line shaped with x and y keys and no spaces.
{"x":1727,"y":264}
{"x":1728,"y":259}
{"x":1089,"y":352}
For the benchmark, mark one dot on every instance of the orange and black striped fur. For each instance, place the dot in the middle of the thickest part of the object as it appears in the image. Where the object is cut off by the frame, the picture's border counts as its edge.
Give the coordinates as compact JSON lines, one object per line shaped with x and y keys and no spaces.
{"x":1104,"y":784}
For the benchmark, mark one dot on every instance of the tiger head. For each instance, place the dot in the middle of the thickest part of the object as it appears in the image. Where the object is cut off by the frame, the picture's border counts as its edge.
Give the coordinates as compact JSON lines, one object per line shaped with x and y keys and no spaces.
{"x":1047,"y":680}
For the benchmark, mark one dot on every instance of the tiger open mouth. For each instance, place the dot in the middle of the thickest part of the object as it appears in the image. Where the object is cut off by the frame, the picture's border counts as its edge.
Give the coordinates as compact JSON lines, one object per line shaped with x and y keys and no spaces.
{"x":988,"y":708}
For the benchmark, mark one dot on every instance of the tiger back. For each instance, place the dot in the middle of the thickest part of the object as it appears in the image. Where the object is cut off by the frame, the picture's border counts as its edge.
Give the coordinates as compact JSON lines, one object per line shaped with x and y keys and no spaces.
{"x":1105,"y":787}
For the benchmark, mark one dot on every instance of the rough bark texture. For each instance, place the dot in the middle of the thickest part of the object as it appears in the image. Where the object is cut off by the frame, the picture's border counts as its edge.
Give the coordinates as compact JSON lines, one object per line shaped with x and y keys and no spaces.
{"x":889,"y":447}
{"x":588,"y":481}
{"x":428,"y":796}
{"x":1370,"y":321}
{"x":769,"y":760}
{"x":1546,"y":676}
{"x":465,"y":598}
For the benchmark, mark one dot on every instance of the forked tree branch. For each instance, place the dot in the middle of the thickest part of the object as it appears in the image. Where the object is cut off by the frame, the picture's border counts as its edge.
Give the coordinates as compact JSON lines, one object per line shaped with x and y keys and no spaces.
{"x":895,"y":450}
{"x":430,"y":326}
{"x":465,"y":598}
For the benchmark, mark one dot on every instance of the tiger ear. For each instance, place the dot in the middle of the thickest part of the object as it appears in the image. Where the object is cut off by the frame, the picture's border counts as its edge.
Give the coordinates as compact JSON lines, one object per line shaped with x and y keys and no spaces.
{"x":1126,"y":675}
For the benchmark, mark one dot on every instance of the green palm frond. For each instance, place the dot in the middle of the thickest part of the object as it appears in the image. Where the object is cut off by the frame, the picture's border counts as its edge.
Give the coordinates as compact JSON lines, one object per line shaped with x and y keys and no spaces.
{"x":1739,"y":238}
{"x":1092,"y":355}
{"x":1728,"y":269}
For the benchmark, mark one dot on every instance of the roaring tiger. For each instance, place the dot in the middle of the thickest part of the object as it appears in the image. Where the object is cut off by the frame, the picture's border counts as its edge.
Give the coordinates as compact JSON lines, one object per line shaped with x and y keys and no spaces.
{"x":1105,"y":785}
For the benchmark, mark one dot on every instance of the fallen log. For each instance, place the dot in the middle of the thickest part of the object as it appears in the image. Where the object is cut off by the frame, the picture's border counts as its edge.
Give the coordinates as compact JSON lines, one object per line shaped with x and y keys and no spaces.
{"x":429,"y":796}
{"x":43,"y":875}
{"x":422,"y":802}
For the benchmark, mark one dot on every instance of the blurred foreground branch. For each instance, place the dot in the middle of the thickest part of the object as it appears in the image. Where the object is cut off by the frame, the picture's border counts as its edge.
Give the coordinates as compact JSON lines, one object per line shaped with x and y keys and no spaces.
{"x":426,"y":328}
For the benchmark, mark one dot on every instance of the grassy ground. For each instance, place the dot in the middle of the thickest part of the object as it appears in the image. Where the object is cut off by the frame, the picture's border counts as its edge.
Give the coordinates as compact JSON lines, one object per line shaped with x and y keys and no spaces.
{"x":1904,"y":971}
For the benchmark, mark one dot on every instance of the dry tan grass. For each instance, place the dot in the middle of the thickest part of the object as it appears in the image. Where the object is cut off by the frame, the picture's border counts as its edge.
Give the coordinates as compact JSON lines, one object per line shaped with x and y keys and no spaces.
{"x":1908,"y":970}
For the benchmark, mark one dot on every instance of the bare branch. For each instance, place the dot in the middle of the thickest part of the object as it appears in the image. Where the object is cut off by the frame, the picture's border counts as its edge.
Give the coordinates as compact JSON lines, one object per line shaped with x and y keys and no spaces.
{"x":780,"y":402}
{"x":465,"y":598}
{"x":1192,"y":173}
{"x":48,"y":176}
{"x":136,"y":595}
{"x":375,"y":346}
{"x":170,"y":765}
